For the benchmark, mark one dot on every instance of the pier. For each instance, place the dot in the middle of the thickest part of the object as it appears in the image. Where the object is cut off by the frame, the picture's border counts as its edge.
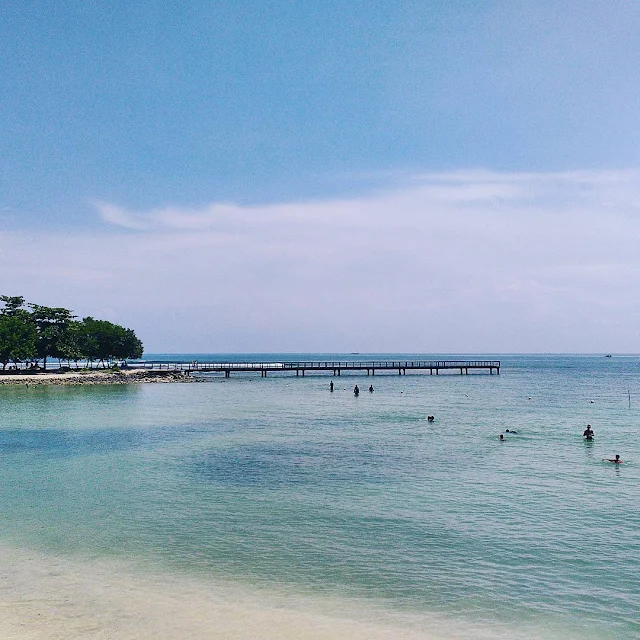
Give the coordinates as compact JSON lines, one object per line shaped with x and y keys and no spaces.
{"x":336,"y":368}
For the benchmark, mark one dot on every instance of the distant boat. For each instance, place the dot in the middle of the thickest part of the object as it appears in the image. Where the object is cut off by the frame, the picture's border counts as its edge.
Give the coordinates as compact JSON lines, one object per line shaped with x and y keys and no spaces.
{"x":355,"y":353}
{"x":608,"y":355}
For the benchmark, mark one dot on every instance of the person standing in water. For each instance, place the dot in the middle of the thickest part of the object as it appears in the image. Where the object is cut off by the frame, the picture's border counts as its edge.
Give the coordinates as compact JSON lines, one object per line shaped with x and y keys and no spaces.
{"x":356,"y":391}
{"x":371,"y":389}
{"x":588,"y":433}
{"x":331,"y":386}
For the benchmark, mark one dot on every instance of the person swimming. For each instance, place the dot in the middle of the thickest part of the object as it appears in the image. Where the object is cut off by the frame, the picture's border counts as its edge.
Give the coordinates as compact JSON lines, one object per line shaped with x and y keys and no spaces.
{"x":588,"y":433}
{"x":502,"y":438}
{"x":430,"y":418}
{"x":510,"y":431}
{"x":616,"y":460}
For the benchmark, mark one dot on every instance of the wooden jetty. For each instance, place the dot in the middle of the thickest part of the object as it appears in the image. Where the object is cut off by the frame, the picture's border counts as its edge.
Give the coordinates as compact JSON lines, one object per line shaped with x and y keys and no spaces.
{"x":336,"y":368}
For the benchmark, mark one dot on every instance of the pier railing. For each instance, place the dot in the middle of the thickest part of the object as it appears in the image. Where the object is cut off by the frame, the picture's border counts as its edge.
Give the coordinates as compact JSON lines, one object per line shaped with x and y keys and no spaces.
{"x":335,"y":366}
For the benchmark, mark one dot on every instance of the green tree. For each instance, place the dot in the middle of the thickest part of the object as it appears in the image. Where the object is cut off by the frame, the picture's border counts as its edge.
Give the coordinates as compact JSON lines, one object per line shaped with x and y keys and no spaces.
{"x":18,"y":336}
{"x":18,"y":333}
{"x":52,"y":332}
{"x":72,"y":343}
{"x":52,"y":324}
{"x":130,"y":346}
{"x":12,"y":305}
{"x":106,"y":341}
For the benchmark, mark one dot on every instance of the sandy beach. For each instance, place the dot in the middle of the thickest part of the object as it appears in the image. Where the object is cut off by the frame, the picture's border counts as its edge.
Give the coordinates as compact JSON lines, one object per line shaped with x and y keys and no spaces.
{"x":126,"y":376}
{"x":45,"y":596}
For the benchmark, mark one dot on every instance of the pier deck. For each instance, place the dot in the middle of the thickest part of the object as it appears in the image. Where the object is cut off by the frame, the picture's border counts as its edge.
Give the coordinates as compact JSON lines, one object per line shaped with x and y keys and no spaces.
{"x":335,"y":367}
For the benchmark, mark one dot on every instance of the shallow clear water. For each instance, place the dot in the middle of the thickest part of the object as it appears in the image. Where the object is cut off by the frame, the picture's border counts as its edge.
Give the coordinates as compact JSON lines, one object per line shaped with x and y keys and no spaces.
{"x":278,"y":482}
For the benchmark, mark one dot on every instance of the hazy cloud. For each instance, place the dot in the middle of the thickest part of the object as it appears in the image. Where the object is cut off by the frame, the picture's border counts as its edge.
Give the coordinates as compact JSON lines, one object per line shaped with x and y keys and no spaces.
{"x":468,"y":261}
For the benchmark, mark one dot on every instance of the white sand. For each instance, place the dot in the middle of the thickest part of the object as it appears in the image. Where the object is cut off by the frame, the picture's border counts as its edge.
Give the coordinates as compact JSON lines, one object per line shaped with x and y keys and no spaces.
{"x":47,"y":597}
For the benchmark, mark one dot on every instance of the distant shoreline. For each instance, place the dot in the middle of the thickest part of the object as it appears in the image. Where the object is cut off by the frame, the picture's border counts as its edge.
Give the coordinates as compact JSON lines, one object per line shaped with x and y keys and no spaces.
{"x":92,"y":377}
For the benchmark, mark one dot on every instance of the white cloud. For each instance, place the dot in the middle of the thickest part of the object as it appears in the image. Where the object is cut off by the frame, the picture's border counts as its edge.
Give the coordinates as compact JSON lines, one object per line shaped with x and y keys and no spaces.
{"x":469,"y":261}
{"x":114,"y":215}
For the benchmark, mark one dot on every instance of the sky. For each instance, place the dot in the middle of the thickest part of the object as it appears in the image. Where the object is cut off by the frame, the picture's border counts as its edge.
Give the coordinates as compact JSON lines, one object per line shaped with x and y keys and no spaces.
{"x":408,"y":176}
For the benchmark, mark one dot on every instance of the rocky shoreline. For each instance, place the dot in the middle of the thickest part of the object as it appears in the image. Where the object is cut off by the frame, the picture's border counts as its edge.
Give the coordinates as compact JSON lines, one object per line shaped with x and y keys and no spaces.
{"x":70,"y":378}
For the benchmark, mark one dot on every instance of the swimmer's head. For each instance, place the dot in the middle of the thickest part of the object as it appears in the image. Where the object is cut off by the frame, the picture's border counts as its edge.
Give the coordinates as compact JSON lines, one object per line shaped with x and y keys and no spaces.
{"x":617,"y":456}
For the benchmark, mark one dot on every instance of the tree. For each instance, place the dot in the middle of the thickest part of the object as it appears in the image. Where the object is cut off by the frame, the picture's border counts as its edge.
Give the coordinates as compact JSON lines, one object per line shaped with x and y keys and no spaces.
{"x":12,"y":305}
{"x":130,"y":345}
{"x":72,"y":343}
{"x":52,"y":324}
{"x":51,"y":332}
{"x":18,"y":336}
{"x":106,"y":341}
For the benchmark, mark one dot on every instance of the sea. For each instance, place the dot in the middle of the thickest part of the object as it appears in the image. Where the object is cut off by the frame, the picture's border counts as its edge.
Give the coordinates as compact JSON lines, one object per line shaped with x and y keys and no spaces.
{"x":250,"y":507}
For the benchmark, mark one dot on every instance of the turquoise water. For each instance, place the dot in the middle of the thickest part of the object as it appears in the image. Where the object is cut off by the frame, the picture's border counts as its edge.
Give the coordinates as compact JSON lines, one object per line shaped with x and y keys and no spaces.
{"x":278,"y":482}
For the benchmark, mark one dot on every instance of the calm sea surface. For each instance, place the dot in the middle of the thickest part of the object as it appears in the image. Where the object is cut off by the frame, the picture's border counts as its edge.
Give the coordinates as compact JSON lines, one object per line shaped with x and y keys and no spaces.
{"x":275,"y":482}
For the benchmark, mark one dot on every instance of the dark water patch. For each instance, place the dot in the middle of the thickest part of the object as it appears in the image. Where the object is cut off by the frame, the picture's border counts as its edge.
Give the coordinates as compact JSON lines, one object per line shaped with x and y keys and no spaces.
{"x":281,"y":465}
{"x":69,"y":443}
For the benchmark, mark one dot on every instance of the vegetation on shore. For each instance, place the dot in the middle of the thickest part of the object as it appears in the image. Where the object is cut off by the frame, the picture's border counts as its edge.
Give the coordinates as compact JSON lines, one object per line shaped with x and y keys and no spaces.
{"x":31,"y":333}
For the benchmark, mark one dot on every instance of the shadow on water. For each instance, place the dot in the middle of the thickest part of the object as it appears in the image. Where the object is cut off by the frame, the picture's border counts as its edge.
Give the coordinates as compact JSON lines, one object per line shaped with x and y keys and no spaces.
{"x":70,"y":443}
{"x":277,"y":466}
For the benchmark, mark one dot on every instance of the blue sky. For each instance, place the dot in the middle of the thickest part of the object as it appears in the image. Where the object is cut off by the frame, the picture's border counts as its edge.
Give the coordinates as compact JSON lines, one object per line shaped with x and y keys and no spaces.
{"x":216,"y":136}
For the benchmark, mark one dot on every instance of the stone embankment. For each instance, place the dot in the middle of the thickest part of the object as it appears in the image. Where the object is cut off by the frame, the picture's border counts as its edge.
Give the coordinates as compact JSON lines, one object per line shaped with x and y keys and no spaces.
{"x":129,"y":376}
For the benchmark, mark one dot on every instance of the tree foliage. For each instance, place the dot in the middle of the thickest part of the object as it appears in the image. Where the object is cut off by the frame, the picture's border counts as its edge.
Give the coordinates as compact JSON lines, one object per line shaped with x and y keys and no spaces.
{"x":32,"y":332}
{"x":18,"y":340}
{"x":53,"y":324}
{"x":104,"y":340}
